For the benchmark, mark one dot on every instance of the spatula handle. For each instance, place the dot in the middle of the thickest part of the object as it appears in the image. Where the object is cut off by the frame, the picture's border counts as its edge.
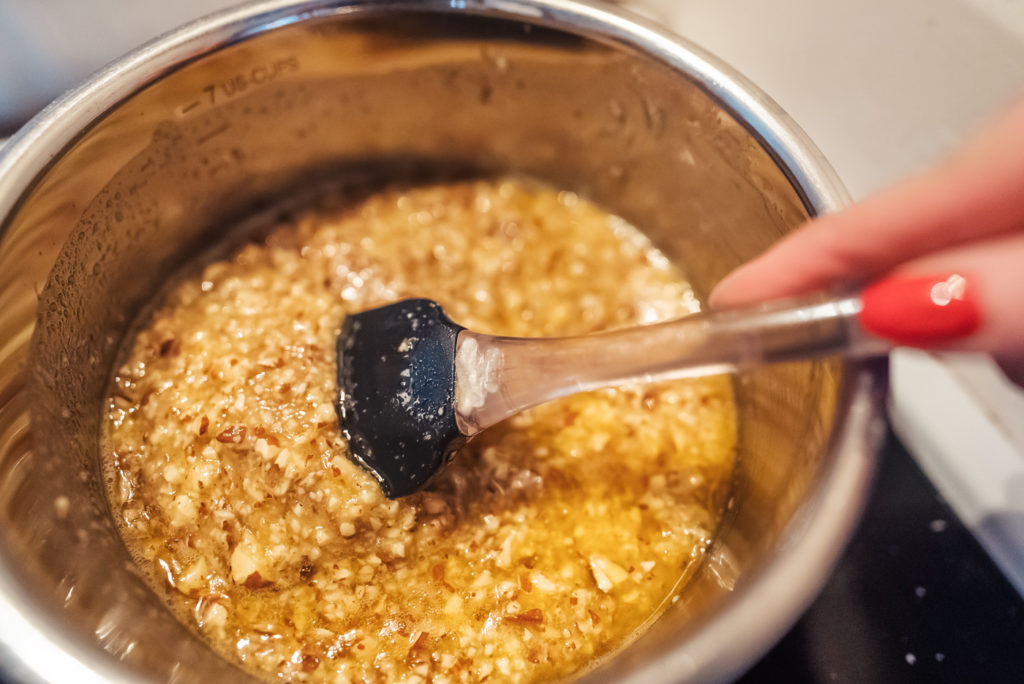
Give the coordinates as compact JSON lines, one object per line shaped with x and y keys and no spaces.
{"x":512,"y":374}
{"x":526,"y":372}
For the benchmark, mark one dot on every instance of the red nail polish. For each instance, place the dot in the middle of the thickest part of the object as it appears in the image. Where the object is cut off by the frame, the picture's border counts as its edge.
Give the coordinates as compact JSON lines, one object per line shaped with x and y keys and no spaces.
{"x":920,"y":311}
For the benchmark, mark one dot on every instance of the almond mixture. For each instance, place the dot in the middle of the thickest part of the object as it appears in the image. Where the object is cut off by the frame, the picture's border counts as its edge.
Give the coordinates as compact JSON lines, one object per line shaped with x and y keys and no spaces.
{"x":550,"y":541}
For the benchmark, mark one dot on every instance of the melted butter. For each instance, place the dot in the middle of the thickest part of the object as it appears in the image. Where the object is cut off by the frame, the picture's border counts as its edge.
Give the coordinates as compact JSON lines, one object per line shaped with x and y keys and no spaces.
{"x":545,"y":546}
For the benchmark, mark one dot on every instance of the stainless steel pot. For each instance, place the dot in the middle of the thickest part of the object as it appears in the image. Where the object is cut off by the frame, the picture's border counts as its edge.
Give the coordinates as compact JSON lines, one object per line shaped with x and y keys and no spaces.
{"x":114,"y":185}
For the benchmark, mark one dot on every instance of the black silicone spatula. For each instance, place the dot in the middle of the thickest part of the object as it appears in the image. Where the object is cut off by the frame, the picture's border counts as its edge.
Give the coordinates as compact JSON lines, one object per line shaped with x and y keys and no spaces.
{"x":396,"y":376}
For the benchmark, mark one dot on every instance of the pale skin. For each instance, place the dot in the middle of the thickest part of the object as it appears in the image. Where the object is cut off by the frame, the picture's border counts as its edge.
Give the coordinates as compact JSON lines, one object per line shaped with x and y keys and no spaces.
{"x":964,"y":215}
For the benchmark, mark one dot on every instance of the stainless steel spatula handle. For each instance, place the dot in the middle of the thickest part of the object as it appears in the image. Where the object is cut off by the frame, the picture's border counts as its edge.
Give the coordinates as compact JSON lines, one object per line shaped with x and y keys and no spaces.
{"x":497,"y":377}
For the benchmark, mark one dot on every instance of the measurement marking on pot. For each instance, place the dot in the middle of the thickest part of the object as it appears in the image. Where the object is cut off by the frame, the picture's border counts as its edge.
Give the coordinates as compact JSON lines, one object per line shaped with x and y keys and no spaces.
{"x":253,"y":77}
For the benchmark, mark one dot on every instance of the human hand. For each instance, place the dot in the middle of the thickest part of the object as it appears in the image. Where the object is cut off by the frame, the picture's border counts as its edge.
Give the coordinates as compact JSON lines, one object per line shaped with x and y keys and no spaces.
{"x":963,"y":216}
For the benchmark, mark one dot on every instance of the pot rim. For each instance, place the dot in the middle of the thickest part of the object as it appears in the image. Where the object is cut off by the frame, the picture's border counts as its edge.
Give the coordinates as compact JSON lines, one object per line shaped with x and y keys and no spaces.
{"x":32,"y":645}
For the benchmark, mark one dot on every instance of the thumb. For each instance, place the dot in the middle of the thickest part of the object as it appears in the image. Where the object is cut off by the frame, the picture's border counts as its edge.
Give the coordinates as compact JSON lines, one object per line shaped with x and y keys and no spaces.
{"x":992,"y":300}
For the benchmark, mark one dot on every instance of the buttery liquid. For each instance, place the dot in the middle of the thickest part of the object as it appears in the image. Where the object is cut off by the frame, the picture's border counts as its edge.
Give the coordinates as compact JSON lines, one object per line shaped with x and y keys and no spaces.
{"x":550,"y":540}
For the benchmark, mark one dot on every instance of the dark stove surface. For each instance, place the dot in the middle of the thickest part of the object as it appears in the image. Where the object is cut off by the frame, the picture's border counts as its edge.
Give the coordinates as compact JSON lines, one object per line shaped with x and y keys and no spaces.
{"x":913,"y":599}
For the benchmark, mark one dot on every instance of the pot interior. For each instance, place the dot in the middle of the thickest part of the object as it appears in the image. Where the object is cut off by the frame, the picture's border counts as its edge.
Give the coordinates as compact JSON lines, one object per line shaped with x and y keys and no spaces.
{"x":224,"y":134}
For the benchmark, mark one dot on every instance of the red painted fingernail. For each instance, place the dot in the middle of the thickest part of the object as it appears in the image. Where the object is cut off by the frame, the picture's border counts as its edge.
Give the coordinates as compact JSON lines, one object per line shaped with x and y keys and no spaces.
{"x":921,"y":311}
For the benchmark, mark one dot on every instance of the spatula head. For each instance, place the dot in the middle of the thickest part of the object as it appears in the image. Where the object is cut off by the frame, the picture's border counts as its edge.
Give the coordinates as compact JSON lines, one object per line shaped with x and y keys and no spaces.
{"x":396,"y":403}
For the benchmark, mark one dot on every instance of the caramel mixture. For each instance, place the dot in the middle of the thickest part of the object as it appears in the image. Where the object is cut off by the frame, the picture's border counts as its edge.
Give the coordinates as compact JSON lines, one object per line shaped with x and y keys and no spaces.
{"x":548,"y":543}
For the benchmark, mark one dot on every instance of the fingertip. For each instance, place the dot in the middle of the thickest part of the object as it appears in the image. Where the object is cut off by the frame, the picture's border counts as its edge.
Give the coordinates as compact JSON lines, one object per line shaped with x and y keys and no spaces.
{"x":767,"y":277}
{"x":790,"y":266}
{"x":731,"y":290}
{"x":719,"y":297}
